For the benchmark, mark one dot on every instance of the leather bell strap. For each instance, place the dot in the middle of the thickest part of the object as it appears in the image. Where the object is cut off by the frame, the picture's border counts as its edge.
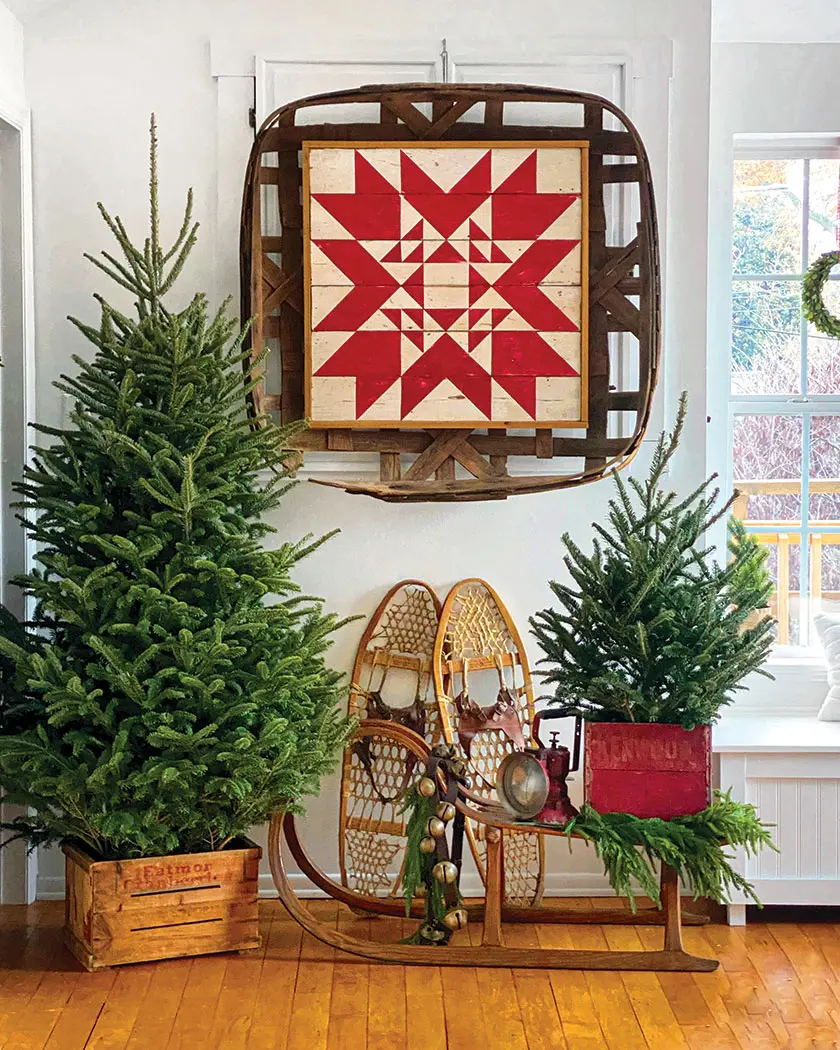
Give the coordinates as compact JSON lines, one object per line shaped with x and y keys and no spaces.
{"x":434,"y":765}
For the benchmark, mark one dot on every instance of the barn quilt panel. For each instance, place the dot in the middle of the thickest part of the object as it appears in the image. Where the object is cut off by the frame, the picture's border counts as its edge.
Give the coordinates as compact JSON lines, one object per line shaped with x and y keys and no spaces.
{"x":444,"y":284}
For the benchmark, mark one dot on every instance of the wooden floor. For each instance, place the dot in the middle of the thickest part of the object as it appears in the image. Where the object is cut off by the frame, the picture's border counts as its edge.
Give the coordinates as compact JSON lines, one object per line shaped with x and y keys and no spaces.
{"x":778,"y":986}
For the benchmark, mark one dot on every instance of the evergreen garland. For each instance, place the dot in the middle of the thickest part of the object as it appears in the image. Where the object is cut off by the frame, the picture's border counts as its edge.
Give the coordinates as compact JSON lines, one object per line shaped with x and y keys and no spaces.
{"x":813,"y":305}
{"x":164,"y":706}
{"x":418,"y":865}
{"x":693,"y":845}
{"x":651,"y":629}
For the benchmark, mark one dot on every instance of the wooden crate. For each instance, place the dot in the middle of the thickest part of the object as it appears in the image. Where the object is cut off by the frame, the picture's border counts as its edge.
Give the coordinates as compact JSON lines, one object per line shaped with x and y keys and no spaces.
{"x":647,"y":769}
{"x":124,"y":911}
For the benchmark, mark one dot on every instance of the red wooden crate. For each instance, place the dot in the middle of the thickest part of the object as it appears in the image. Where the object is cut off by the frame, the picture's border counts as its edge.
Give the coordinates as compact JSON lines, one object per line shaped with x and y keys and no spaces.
{"x":648,"y":770}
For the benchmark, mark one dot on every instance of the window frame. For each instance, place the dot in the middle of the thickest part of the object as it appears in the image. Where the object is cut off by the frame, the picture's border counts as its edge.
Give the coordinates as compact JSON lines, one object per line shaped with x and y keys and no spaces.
{"x":803,"y":405}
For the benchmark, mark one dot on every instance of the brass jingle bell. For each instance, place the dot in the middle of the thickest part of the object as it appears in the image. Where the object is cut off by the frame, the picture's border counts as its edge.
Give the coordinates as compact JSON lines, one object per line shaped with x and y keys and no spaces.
{"x":446,"y":811}
{"x":435,"y":827}
{"x":427,"y":845}
{"x":431,"y":933}
{"x":427,"y":787}
{"x":455,"y":919}
{"x":445,"y":871}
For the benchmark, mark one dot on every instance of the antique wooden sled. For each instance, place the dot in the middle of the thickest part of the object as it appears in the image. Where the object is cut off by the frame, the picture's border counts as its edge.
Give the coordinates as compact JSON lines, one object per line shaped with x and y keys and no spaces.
{"x":407,"y":747}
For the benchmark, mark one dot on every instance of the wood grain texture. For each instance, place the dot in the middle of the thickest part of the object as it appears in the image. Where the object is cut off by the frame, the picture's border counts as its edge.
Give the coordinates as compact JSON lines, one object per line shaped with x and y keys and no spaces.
{"x":160,"y":907}
{"x":760,"y":998}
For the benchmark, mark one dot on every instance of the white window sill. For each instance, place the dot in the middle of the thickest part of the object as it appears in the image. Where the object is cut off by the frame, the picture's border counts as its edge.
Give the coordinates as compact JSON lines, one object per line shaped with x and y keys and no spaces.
{"x":778,"y":733}
{"x":796,"y":656}
{"x":797,"y":689}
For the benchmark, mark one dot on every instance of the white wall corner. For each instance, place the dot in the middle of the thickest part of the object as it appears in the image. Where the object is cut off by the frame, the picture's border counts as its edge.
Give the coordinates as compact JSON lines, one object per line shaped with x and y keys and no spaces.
{"x":229,"y":58}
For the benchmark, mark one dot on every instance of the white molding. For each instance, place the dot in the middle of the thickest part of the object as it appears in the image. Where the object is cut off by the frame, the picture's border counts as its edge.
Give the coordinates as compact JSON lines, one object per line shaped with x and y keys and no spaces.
{"x":558,"y":884}
{"x":18,"y":867}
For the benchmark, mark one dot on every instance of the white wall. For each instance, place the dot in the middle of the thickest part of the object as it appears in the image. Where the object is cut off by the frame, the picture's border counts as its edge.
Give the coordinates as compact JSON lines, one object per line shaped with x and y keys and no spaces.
{"x":777,"y":21}
{"x":12,"y":95}
{"x":93,"y":82}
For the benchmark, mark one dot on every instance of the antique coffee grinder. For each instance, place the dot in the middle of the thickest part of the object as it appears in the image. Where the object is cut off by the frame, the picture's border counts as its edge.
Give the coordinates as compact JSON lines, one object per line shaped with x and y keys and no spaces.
{"x":531,"y":784}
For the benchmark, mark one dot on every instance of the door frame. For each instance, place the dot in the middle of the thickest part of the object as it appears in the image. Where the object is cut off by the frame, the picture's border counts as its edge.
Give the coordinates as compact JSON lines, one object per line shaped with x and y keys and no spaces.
{"x":18,"y":867}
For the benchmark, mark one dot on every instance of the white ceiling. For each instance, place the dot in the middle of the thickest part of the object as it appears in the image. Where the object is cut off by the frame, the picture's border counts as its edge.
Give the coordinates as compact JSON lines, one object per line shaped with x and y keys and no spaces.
{"x":780,"y":21}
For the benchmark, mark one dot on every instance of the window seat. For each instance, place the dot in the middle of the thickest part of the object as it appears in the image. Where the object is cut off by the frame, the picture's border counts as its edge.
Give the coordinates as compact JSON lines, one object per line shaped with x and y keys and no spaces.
{"x":789,"y":768}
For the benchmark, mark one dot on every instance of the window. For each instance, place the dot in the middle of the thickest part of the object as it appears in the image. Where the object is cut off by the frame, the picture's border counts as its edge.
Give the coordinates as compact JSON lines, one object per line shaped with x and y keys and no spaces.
{"x":785,"y":375}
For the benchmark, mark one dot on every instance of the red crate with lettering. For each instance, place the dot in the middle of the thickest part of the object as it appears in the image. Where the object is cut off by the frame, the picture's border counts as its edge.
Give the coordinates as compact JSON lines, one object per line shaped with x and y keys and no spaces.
{"x":124,"y":911}
{"x":647,"y":769}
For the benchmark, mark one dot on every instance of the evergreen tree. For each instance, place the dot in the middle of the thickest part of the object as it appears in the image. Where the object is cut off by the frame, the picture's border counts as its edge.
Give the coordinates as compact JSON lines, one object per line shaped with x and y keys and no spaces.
{"x":652,"y":629}
{"x":167,"y":706}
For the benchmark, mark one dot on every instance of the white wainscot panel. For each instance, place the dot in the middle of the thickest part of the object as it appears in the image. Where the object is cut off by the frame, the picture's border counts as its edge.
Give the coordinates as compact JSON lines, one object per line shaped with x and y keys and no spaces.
{"x":805,"y":812}
{"x":792,"y":776}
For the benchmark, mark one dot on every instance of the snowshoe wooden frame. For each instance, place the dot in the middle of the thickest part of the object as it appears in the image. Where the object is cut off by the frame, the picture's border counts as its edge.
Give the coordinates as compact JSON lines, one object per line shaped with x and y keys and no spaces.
{"x":400,"y":635}
{"x":493,"y":913}
{"x":477,"y":634}
{"x":624,"y":287}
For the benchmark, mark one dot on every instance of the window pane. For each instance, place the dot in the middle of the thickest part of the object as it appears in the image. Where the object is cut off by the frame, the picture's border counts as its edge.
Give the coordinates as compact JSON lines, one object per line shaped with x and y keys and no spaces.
{"x":767,"y":467}
{"x":766,"y":337}
{"x":768,"y":216}
{"x":823,"y":351}
{"x":824,"y":469}
{"x":824,"y":199}
{"x":785,"y":601}
{"x":825,"y":551}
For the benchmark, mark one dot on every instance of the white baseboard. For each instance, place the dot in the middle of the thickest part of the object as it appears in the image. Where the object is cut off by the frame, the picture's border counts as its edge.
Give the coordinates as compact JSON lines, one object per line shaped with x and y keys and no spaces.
{"x":557,"y":884}
{"x":50,"y":888}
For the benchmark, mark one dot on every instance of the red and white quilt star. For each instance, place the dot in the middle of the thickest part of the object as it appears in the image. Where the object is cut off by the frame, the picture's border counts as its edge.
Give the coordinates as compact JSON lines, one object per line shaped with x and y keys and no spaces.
{"x":445,"y":284}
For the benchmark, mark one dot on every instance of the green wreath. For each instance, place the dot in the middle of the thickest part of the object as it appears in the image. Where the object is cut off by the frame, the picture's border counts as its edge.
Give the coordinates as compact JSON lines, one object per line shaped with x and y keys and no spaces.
{"x":813,"y":306}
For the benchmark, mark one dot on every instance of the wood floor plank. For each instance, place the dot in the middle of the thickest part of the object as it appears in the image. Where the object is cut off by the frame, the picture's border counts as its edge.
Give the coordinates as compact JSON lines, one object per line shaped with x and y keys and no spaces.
{"x":609,"y":996}
{"x":812,"y":970}
{"x":34,"y":1026}
{"x":710,"y":1037}
{"x":778,"y":987}
{"x":197,"y":1009}
{"x":81,"y":1011}
{"x":777,"y":975}
{"x":386,"y":1023}
{"x":650,"y":1004}
{"x":237,"y":1000}
{"x":273,"y":1008}
{"x":310,"y":1018}
{"x":685,"y":998}
{"x":113,"y":1026}
{"x":497,"y":989}
{"x":350,"y":991}
{"x":575,"y":1008}
{"x":156,"y":1016}
{"x":752,"y":1016}
{"x":537,"y":1006}
{"x":425,"y":1014}
{"x":466,"y":1021}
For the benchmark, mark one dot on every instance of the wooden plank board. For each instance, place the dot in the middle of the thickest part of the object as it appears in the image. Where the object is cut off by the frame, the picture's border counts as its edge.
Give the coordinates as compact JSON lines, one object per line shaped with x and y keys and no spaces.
{"x":157,"y":908}
{"x":387,"y":1024}
{"x":310,"y":1015}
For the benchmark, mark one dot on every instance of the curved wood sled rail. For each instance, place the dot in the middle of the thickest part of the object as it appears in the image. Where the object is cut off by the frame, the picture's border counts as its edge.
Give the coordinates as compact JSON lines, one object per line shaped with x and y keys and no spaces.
{"x":672,"y":957}
{"x":396,"y":908}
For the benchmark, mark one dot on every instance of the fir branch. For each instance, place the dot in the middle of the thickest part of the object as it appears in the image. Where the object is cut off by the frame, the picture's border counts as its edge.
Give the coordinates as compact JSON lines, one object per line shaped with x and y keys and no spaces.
{"x":694,"y":845}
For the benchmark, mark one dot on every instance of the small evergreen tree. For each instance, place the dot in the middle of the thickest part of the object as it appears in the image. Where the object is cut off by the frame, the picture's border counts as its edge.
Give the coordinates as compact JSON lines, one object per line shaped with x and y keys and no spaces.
{"x":166,"y":706}
{"x":652,"y":629}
